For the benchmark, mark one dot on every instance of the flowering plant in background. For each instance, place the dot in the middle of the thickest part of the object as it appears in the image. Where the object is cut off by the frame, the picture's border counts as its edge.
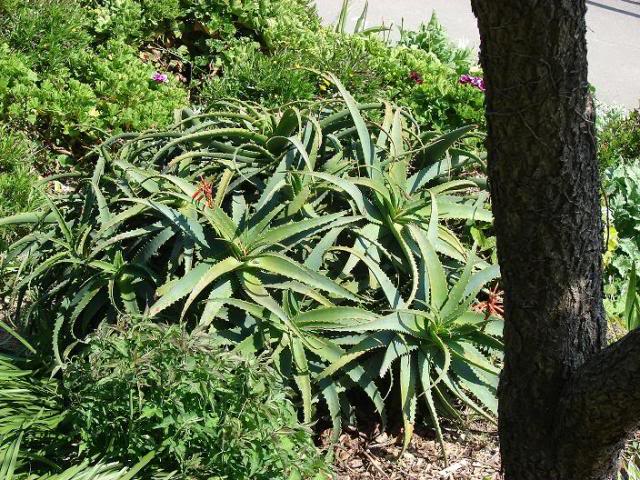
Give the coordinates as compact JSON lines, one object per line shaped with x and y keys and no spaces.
{"x":160,"y":77}
{"x":477,"y":82}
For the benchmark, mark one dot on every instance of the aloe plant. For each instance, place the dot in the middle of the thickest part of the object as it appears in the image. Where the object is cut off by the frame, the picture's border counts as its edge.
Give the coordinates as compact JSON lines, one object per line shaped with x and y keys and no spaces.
{"x":300,"y":232}
{"x":441,"y":345}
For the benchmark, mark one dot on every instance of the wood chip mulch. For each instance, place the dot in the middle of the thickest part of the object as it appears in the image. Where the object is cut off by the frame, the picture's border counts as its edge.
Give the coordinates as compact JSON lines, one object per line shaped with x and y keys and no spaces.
{"x":472,"y":455}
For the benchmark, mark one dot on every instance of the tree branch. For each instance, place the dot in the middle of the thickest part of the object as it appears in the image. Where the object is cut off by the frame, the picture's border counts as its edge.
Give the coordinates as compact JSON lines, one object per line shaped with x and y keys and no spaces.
{"x":600,"y":407}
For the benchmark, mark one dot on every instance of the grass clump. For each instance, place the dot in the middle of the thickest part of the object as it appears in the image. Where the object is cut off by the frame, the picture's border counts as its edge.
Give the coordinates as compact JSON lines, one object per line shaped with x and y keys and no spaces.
{"x":16,"y":175}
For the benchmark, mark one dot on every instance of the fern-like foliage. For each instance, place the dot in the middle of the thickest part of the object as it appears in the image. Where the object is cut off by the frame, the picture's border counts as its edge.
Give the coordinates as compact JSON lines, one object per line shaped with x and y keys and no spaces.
{"x":32,"y":409}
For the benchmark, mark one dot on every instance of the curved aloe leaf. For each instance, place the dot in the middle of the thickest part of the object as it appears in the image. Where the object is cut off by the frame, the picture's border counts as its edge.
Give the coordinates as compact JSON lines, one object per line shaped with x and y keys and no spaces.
{"x":282,"y":265}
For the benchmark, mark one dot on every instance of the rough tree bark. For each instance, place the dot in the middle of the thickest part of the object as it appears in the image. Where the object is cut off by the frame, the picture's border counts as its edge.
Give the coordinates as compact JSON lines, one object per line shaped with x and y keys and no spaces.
{"x":567,"y":402}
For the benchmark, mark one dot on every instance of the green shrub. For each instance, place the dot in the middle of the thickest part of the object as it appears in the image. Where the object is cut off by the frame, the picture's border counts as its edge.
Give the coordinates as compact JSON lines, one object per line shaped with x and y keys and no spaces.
{"x":369,"y":67}
{"x":44,"y":31}
{"x":619,"y":153}
{"x":203,"y":24}
{"x":15,"y":76}
{"x":308,"y":236}
{"x":432,"y":38}
{"x":207,"y":413}
{"x":619,"y":138}
{"x":251,"y":75}
{"x":33,"y":441}
{"x":157,"y":400}
{"x":109,"y":90}
{"x":622,"y":186}
{"x":195,"y":36}
{"x":256,"y":51}
{"x":56,"y":82}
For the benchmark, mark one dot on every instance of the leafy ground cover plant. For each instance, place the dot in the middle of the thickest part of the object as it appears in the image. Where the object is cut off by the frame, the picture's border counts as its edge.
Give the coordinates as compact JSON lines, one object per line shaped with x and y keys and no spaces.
{"x":33,"y":441}
{"x":298,"y":233}
{"x":103,"y":90}
{"x":164,"y":403}
{"x":622,"y":190}
{"x":205,"y":413}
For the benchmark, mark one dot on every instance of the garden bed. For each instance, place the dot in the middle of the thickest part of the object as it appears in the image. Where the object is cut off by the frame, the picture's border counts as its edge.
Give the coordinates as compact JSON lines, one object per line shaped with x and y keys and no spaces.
{"x":329,"y":235}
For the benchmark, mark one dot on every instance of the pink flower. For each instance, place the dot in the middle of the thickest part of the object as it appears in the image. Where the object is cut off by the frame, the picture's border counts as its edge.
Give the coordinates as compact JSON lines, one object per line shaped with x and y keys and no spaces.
{"x":160,"y":77}
{"x":464,"y":79}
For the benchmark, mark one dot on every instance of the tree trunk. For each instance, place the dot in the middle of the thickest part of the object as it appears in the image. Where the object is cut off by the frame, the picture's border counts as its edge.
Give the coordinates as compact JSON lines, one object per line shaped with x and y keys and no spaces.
{"x":561,"y":415}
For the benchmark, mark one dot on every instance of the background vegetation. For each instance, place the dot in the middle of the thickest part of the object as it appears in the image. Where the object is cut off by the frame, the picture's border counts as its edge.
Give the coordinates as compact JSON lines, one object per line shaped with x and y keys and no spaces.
{"x":73,"y":72}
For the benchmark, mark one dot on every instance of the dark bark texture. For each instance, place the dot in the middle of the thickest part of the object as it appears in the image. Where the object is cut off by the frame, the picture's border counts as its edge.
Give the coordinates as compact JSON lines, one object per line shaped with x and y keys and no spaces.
{"x":562,"y":412}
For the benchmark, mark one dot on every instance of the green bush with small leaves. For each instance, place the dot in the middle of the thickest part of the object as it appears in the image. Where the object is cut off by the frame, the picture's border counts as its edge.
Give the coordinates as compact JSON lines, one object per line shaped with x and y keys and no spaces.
{"x":105,"y":91}
{"x":415,"y":73}
{"x":619,"y":138}
{"x":206,"y":413}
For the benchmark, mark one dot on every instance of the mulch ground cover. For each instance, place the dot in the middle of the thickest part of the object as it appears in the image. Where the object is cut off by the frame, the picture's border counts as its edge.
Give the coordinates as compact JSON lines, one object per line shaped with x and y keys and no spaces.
{"x":472,"y":455}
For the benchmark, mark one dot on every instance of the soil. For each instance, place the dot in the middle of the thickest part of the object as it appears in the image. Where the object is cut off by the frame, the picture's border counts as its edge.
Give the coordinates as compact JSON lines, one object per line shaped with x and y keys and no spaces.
{"x":472,"y":455}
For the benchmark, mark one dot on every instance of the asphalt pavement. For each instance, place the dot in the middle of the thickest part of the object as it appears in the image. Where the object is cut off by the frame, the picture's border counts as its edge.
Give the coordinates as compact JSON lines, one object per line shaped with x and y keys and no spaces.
{"x":613,"y":36}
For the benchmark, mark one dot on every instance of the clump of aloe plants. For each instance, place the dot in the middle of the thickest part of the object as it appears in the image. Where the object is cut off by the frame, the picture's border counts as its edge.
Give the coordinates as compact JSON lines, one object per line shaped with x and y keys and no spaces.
{"x":332,"y":239}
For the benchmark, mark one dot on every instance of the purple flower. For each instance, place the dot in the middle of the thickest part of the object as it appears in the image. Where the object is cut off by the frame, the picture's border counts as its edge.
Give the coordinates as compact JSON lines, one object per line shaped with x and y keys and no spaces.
{"x":160,"y":77}
{"x":477,"y":82}
{"x":464,"y":79}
